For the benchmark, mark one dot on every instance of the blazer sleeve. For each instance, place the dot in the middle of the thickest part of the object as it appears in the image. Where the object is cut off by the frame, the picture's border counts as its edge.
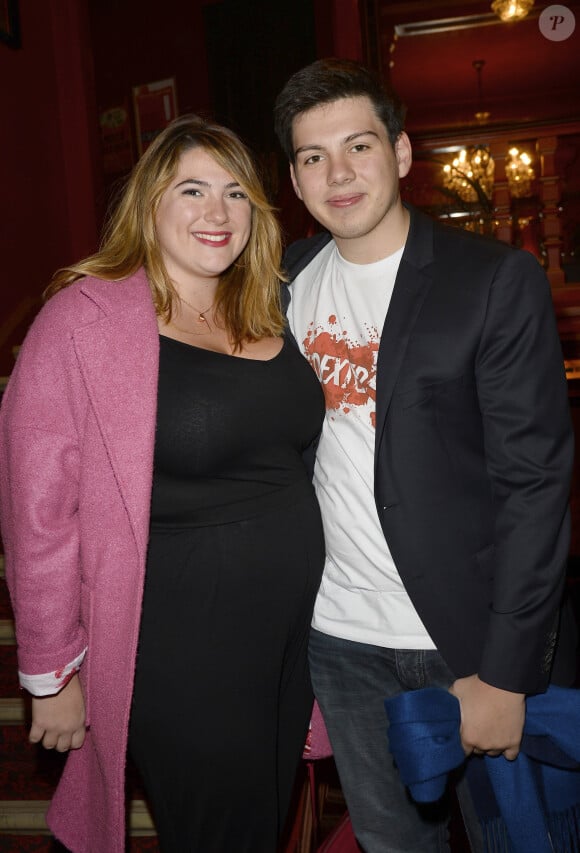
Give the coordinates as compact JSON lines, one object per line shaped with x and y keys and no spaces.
{"x":529,"y":455}
{"x":40,"y":423}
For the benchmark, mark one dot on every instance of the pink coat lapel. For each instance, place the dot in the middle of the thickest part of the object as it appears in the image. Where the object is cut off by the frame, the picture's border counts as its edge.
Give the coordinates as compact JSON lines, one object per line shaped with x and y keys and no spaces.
{"x":119,"y":360}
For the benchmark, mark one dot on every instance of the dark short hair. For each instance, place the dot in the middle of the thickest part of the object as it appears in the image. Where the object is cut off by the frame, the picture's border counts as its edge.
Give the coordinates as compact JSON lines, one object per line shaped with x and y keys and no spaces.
{"x":328,"y":80}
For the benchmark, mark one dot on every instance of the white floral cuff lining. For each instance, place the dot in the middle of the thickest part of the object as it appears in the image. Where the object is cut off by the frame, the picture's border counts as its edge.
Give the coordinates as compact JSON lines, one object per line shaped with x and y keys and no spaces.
{"x":49,"y":683}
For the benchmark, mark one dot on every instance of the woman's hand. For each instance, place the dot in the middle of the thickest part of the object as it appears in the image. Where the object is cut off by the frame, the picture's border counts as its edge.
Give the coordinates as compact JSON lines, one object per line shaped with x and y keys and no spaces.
{"x":58,"y":722}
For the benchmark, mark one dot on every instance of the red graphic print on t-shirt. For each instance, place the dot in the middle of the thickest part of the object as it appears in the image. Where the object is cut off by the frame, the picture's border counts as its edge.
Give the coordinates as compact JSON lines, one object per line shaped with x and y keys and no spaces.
{"x":346,"y":368}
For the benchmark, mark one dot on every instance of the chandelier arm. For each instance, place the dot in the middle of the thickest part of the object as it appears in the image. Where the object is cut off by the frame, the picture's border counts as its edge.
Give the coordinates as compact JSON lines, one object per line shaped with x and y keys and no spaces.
{"x":476,"y":186}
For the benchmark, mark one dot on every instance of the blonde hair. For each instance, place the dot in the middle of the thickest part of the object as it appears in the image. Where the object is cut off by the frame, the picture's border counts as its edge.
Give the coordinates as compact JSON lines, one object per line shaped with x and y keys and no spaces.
{"x":248,"y":293}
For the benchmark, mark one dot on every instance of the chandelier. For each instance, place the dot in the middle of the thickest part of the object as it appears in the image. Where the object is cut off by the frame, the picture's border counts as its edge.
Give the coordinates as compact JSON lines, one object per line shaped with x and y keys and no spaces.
{"x":519,"y":173}
{"x":470,"y":174}
{"x":511,"y":10}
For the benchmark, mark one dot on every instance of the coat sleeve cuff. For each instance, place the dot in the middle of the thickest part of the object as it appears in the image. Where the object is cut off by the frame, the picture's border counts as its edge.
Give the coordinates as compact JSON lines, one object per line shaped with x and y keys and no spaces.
{"x":49,"y":683}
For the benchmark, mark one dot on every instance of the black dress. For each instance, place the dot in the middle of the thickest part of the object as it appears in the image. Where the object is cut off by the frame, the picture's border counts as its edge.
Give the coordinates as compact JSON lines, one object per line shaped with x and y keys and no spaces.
{"x":222,"y":691}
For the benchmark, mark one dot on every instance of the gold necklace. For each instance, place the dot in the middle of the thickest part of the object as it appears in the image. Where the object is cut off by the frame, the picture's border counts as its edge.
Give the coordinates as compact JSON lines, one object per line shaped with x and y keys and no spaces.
{"x":201,"y":318}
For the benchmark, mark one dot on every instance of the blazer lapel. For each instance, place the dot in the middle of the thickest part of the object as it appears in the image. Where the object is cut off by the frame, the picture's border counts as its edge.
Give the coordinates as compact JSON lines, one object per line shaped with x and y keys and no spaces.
{"x":119,"y":360}
{"x":411,"y":287}
{"x":300,"y":253}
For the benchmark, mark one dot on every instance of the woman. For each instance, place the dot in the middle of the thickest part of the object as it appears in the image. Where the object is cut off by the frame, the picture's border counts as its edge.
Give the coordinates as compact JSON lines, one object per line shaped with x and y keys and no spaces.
{"x":163,"y":544}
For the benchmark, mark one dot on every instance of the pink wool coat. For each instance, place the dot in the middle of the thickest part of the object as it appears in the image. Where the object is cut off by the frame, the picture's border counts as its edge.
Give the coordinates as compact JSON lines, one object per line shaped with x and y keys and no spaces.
{"x":77,"y":428}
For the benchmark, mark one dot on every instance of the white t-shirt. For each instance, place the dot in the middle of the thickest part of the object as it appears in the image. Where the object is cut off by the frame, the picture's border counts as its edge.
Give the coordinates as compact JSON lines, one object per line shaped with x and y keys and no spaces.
{"x":337,"y":314}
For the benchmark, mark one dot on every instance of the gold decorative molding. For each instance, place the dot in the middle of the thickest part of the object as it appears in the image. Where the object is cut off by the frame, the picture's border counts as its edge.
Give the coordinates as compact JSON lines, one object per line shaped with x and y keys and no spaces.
{"x":140,"y":822}
{"x":26,"y":817}
{"x":7,"y":637}
{"x":12,"y":712}
{"x":23,"y":817}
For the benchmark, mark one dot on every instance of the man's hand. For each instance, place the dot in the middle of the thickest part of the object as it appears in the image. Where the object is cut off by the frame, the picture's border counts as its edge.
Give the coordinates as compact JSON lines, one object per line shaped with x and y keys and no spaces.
{"x":58,"y":722}
{"x":492,"y":720}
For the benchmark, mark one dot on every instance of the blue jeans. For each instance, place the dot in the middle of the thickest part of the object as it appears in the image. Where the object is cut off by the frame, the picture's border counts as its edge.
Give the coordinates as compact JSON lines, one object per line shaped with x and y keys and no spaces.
{"x":351,"y":681}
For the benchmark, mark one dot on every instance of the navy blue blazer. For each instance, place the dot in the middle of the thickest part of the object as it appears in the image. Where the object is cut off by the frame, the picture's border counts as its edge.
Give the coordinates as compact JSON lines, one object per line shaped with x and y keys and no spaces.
{"x":474,"y":451}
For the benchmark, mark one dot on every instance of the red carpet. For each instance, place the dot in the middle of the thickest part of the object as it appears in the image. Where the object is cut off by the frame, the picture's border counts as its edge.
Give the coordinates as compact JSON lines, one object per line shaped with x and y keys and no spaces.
{"x":27,"y":772}
{"x":8,"y":674}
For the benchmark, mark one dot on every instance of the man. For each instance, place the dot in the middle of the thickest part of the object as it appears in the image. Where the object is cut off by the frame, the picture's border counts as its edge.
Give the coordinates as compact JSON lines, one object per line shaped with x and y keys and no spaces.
{"x":444,"y":464}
